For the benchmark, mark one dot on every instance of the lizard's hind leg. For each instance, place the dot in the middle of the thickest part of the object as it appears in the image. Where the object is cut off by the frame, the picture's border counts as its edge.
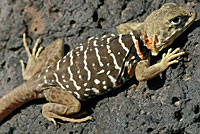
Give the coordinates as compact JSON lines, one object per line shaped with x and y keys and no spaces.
{"x":61,"y":104}
{"x":32,"y":58}
{"x":40,"y":58}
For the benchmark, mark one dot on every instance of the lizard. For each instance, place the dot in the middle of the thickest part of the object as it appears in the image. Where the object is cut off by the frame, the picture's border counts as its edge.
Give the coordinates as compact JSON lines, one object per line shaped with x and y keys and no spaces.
{"x":98,"y":65}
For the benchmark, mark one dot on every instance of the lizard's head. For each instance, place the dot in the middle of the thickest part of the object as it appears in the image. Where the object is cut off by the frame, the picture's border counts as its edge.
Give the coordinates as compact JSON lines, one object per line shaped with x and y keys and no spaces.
{"x":163,"y":26}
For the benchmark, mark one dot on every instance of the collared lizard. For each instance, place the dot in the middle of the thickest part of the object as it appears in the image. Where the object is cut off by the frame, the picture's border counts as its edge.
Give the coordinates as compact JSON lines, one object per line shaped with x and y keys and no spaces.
{"x":98,"y":65}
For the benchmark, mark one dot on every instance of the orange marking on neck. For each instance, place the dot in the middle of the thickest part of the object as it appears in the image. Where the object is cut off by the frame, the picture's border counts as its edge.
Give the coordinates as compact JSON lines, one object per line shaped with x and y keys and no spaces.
{"x":130,"y":70}
{"x":138,"y":48}
{"x":149,"y":43}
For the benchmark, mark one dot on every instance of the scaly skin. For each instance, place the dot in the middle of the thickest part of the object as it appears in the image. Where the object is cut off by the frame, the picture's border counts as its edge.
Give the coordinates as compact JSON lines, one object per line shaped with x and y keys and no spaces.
{"x":158,"y":31}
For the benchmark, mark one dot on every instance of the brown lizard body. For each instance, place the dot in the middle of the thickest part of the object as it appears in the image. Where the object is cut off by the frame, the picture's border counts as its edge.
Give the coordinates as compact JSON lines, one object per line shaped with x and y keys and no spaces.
{"x":99,"y":65}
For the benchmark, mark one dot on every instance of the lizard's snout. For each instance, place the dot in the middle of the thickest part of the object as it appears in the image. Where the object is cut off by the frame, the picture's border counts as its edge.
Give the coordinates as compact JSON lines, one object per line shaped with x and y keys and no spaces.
{"x":191,"y":13}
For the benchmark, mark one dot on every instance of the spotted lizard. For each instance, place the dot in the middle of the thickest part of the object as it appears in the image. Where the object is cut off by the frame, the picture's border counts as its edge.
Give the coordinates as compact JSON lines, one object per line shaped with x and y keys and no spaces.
{"x":98,"y":65}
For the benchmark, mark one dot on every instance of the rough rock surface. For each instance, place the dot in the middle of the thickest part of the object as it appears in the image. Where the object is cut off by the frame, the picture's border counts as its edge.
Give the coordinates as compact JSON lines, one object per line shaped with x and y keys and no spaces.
{"x":169,"y":104}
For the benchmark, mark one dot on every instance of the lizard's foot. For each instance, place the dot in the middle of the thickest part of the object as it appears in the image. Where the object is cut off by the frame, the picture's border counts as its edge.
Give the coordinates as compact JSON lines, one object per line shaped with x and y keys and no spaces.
{"x":40,"y":59}
{"x":27,"y":72}
{"x":167,"y":59}
{"x":36,"y":52}
{"x":50,"y":116}
{"x":63,"y":106}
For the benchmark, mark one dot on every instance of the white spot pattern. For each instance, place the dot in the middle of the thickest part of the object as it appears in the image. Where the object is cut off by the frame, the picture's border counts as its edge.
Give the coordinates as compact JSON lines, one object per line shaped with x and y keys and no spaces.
{"x":85,"y":64}
{"x":98,"y":57}
{"x":102,"y":71}
{"x":95,"y":43}
{"x":81,"y":48}
{"x":58,"y":64}
{"x":56,"y":76}
{"x":114,"y":59}
{"x":95,"y":90}
{"x":87,"y":89}
{"x":78,"y":71}
{"x":96,"y":81}
{"x":115,"y":62}
{"x":86,"y":95}
{"x":108,"y":72}
{"x":104,"y":36}
{"x":112,"y":79}
{"x":85,"y":84}
{"x":104,"y":82}
{"x":108,"y":47}
{"x":45,"y":79}
{"x":108,"y":40}
{"x":126,"y":63}
{"x":71,"y":58}
{"x":46,"y":70}
{"x":122,"y":44}
{"x":90,"y":39}
{"x":133,"y":57}
{"x":77,"y":95}
{"x":112,"y":35}
{"x":134,"y":41}
{"x":71,"y":79}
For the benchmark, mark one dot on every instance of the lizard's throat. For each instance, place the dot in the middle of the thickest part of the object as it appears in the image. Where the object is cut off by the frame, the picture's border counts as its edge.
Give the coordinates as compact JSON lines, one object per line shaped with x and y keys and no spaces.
{"x":152,"y":44}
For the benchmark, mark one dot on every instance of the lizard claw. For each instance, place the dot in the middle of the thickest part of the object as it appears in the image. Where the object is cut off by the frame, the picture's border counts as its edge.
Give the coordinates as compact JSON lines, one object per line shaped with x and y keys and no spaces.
{"x":35,"y":52}
{"x":167,"y":59}
{"x":27,"y":72}
{"x":54,"y":122}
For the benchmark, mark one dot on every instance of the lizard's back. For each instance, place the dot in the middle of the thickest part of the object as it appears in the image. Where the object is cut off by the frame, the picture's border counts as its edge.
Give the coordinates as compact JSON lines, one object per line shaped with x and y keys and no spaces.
{"x":96,"y":67}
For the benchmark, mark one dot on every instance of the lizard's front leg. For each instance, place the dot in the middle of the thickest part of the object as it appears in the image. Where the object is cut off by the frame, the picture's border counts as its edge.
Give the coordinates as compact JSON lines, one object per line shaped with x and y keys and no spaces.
{"x":144,"y":71}
{"x":61,"y":105}
{"x":41,"y":59}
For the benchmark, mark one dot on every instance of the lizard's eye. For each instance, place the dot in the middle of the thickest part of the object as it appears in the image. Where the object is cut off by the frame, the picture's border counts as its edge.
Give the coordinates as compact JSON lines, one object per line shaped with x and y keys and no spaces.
{"x":176,"y":21}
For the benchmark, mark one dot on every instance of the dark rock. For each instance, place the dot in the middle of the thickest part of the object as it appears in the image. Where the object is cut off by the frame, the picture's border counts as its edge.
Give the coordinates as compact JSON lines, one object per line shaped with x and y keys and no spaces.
{"x":168,"y":105}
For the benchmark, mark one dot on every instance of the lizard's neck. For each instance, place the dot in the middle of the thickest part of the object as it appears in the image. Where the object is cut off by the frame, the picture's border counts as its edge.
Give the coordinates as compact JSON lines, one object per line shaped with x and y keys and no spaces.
{"x":141,"y":46}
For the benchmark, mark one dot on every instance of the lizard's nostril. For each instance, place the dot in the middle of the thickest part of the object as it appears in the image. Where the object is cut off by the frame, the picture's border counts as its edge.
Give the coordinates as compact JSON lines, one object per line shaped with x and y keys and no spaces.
{"x":190,"y":13}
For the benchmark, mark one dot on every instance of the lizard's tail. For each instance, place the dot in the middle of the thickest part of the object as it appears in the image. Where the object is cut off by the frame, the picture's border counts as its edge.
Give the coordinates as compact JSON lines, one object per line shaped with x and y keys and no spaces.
{"x":15,"y":99}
